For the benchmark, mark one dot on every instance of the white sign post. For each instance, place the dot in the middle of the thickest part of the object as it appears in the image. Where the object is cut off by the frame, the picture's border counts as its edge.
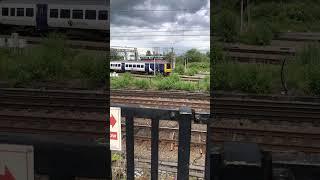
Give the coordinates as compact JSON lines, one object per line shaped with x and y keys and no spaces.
{"x":16,"y":162}
{"x":115,"y":129}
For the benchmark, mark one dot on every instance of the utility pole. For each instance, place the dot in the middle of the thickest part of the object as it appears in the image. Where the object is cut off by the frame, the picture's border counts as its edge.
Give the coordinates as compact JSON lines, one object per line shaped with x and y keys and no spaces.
{"x":185,"y":63}
{"x":136,"y":54}
{"x":154,"y":66}
{"x":241,"y":21}
{"x":173,"y":59}
{"x":248,"y":11}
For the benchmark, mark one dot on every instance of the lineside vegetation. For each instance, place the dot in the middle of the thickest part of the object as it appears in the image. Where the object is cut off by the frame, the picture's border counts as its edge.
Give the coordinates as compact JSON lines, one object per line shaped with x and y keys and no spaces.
{"x":267,"y":20}
{"x":52,"y":62}
{"x":302,"y":74}
{"x":173,"y":82}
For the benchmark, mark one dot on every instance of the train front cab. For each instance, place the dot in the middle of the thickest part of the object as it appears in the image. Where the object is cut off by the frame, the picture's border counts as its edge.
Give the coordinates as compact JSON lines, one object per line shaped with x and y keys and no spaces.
{"x":167,"y":69}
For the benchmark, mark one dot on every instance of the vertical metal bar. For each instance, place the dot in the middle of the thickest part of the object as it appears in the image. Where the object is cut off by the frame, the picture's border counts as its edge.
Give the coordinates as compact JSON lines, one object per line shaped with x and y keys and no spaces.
{"x":154,"y":149}
{"x":130,"y":147}
{"x":184,"y":143}
{"x":208,"y":172}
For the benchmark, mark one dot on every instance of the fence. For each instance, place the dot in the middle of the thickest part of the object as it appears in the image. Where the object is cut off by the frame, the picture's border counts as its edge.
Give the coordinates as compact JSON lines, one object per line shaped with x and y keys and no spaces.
{"x":184,"y":116}
{"x":65,"y":157}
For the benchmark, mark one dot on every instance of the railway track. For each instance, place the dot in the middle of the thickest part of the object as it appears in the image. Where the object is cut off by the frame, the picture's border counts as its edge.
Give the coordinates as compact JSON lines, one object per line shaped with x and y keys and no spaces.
{"x":183,"y":78}
{"x":256,"y":54}
{"x":73,"y":43}
{"x":300,"y":36}
{"x":276,"y":108}
{"x":44,"y":112}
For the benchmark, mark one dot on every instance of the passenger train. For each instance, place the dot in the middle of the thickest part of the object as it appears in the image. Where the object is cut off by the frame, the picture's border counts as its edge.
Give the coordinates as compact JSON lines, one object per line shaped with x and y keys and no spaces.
{"x":144,"y":66}
{"x":68,"y":16}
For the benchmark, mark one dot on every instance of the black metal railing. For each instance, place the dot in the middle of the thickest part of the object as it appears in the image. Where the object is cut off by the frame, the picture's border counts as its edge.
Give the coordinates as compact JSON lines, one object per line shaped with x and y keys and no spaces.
{"x":184,"y":116}
{"x":65,"y":157}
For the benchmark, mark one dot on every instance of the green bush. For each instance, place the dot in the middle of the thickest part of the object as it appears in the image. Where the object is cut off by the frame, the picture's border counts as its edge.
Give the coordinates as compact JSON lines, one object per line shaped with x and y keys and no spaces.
{"x":314,"y":80}
{"x":179,"y":69}
{"x":309,"y":55}
{"x":251,"y":78}
{"x":260,"y":34}
{"x":142,"y":83}
{"x":123,"y":81}
{"x":167,"y":83}
{"x":185,"y":86}
{"x":191,"y":71}
{"x":227,"y":27}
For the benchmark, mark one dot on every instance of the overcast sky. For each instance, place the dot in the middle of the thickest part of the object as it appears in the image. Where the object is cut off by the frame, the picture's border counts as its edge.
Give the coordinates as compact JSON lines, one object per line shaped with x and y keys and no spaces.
{"x":181,"y":24}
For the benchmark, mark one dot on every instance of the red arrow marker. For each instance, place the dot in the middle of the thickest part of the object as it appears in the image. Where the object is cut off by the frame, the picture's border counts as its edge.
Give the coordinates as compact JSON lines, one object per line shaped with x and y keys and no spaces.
{"x":7,"y":175}
{"x":113,"y":121}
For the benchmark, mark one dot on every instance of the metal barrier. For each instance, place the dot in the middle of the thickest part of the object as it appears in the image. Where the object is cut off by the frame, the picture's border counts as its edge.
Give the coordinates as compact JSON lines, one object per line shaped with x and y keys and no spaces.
{"x":65,"y":157}
{"x":184,"y":116}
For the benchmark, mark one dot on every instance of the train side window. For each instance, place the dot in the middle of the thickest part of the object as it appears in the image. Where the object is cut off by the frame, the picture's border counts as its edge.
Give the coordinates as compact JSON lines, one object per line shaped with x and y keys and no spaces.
{"x":12,"y":11}
{"x":142,"y":66}
{"x":103,"y":15}
{"x":138,"y":66}
{"x":77,"y":14}
{"x":29,"y":12}
{"x":20,"y":11}
{"x":130,"y":65}
{"x":91,"y":14}
{"x":65,"y":13}
{"x":54,"y":13}
{"x":5,"y":11}
{"x":134,"y":65}
{"x":126,"y":65}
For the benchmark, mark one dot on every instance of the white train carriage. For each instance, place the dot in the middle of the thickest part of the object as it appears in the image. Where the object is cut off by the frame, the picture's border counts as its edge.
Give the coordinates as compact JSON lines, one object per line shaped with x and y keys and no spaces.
{"x":56,"y":14}
{"x":115,"y":66}
{"x":123,"y":66}
{"x":135,"y":66}
{"x":147,"y":67}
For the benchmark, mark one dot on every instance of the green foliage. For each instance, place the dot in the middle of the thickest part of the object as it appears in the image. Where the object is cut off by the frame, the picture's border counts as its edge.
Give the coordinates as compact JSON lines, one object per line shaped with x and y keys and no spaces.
{"x":260,"y":34}
{"x":142,"y":84}
{"x":314,"y":80}
{"x":179,"y":69}
{"x":191,"y":71}
{"x":304,"y":70}
{"x":167,"y":83}
{"x":217,"y":54}
{"x":51,"y":61}
{"x":116,"y":157}
{"x":122,"y":81}
{"x":251,"y":78}
{"x":310,"y":54}
{"x":194,"y":55}
{"x":227,"y":26}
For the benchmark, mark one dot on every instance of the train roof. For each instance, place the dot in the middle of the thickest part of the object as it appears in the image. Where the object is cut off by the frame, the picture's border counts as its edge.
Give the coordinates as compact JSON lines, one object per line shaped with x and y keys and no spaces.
{"x":74,"y":2}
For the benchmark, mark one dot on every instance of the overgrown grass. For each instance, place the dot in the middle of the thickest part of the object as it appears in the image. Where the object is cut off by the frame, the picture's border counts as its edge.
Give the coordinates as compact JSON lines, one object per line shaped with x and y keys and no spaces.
{"x":172,"y":82}
{"x":267,"y":19}
{"x":304,"y":71}
{"x":51,"y":61}
{"x":301,"y":75}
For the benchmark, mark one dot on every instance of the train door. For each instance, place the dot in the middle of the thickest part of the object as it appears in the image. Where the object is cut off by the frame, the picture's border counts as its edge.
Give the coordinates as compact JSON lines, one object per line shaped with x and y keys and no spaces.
{"x":123,"y":68}
{"x":42,"y":17}
{"x":147,"y":68}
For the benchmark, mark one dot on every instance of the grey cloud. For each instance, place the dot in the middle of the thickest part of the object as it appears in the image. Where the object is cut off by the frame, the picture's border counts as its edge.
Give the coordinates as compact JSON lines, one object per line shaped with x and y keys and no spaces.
{"x":149,"y":18}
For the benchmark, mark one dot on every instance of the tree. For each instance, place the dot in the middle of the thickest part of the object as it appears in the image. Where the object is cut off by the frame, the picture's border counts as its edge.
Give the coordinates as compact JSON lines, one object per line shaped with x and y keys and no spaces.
{"x":169,"y":56}
{"x":114,"y":56}
{"x":148,"y":53}
{"x":194,"y":55}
